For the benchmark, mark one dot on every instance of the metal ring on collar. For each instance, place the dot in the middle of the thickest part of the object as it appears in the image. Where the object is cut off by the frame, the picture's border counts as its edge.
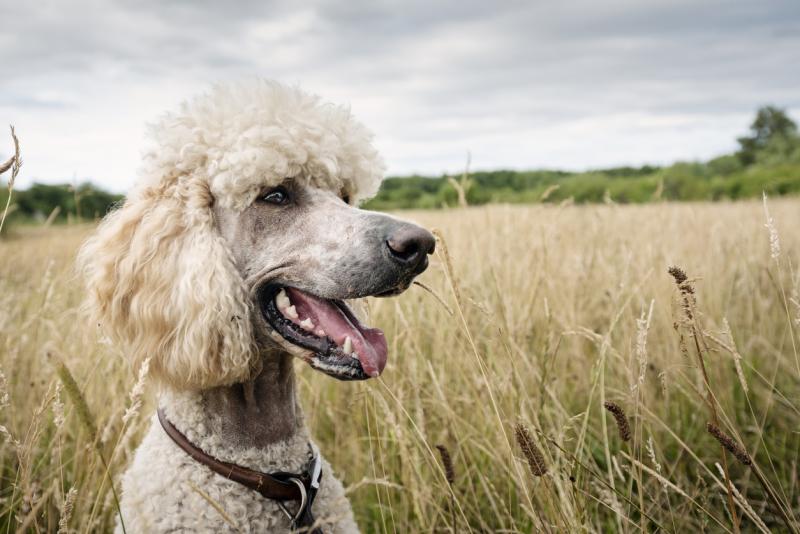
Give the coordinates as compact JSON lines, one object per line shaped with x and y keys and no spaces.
{"x":303,"y":501}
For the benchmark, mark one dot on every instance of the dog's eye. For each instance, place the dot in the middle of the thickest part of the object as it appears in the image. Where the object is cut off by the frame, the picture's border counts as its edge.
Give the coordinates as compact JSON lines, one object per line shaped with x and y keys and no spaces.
{"x":346,"y":199}
{"x":278,"y":196}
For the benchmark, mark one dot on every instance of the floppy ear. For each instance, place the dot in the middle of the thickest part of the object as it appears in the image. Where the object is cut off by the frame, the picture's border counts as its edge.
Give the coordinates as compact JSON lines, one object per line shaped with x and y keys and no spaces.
{"x":162,"y":284}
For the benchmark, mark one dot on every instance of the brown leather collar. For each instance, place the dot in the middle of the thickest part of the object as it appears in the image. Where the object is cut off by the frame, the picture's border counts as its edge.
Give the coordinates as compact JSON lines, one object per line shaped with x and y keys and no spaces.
{"x":279,"y":486}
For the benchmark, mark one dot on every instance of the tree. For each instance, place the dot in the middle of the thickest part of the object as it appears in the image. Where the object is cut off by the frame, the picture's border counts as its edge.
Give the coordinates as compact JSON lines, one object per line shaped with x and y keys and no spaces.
{"x":771,"y":123}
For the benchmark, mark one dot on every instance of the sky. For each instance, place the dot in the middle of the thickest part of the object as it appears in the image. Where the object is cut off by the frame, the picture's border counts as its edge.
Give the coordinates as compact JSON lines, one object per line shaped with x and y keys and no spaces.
{"x":572,"y":84}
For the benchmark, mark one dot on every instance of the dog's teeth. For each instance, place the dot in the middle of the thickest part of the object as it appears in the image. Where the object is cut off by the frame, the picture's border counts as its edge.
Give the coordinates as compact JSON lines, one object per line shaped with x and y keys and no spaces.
{"x":282,"y":300}
{"x":347,"y":346}
{"x":291,"y":312}
{"x":354,"y":355}
{"x":306,"y":324}
{"x":320,"y":332}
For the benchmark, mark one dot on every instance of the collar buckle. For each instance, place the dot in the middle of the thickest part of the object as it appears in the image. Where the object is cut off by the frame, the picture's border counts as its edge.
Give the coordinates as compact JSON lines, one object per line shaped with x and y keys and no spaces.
{"x":304,"y":503}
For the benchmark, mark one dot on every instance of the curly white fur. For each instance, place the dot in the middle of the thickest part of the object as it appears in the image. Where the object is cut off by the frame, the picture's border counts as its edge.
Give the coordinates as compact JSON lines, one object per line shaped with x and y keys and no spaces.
{"x":241,"y":137}
{"x":162,"y":284}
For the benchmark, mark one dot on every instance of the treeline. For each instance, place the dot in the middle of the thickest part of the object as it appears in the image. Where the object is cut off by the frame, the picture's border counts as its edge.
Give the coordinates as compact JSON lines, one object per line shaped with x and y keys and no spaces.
{"x":58,"y":203}
{"x":768,"y":160}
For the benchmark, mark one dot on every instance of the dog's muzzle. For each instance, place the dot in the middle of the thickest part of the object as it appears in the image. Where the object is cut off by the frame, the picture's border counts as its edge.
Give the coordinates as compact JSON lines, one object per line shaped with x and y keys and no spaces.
{"x":333,"y":339}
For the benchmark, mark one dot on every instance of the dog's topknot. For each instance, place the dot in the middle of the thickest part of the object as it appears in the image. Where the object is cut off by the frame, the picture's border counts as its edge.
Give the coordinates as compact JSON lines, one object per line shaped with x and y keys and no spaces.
{"x":242,"y":137}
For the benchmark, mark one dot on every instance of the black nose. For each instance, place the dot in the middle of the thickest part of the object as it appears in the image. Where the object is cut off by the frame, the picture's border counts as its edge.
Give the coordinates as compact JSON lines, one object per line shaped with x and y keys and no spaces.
{"x":410,"y":245}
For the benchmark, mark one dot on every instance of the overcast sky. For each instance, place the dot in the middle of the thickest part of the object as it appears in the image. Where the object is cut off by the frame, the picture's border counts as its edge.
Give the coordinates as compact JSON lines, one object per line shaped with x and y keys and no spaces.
{"x":536,"y":84}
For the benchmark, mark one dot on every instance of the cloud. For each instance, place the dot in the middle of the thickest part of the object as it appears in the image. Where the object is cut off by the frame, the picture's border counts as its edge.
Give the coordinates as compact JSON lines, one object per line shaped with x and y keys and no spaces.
{"x":519,"y":84}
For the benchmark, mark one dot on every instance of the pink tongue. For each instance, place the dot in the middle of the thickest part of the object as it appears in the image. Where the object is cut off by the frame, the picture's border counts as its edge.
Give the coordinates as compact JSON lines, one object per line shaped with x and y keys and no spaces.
{"x":368,"y":343}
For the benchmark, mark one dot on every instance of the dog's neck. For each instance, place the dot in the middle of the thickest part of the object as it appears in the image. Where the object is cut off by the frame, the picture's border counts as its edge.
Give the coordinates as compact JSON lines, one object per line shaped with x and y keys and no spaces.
{"x":261,"y":411}
{"x":252,"y":416}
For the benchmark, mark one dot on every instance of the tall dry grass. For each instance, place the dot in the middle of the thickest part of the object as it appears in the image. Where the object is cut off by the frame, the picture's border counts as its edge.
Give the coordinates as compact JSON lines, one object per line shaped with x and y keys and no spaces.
{"x":546,"y":314}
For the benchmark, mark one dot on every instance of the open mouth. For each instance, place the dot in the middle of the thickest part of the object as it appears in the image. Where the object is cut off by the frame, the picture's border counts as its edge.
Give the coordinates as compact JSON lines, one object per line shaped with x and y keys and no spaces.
{"x":340,"y":345}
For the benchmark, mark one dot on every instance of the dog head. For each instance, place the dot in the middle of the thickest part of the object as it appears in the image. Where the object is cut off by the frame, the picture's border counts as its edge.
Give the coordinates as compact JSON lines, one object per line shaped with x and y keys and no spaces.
{"x":242,"y":239}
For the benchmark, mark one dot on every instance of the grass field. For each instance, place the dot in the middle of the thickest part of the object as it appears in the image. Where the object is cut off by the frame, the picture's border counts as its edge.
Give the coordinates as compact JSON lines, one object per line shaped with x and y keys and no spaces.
{"x":541,"y":315}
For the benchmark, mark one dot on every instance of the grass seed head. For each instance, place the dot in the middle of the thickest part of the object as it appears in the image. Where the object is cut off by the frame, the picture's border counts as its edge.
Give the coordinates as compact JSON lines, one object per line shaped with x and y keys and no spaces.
{"x":530,"y":451}
{"x":621,"y":419}
{"x":447,"y":462}
{"x":66,"y":510}
{"x":73,"y":391}
{"x":774,"y":241}
{"x":729,"y":443}
{"x":681,"y":280}
{"x":678,"y":274}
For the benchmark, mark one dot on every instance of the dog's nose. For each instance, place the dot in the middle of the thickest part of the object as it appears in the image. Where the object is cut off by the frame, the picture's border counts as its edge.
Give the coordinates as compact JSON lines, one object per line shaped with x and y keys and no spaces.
{"x":409,"y":245}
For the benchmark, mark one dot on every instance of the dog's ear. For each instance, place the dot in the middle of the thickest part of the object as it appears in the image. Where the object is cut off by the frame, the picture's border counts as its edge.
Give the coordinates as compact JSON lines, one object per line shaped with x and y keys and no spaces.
{"x":163,"y":285}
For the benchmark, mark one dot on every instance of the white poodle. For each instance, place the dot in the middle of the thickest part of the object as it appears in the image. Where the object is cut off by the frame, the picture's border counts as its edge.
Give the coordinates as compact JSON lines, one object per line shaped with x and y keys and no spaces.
{"x":232,"y":256}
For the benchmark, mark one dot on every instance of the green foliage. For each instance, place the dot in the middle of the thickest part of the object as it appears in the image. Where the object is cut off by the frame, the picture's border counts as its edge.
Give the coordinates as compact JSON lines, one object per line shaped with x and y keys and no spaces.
{"x":769,"y":161}
{"x":725,"y":165}
{"x":771,"y":124}
{"x":719,"y":179}
{"x":40,"y":201}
